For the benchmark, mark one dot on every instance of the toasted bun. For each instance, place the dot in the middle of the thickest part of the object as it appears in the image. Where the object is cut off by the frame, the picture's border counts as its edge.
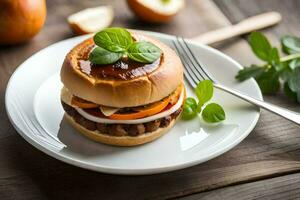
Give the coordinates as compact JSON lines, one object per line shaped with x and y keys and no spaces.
{"x":123,"y":93}
{"x":122,"y":140}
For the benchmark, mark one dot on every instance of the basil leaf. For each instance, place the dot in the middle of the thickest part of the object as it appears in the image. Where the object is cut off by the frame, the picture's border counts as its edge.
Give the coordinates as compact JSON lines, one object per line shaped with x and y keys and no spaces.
{"x":101,"y":56}
{"x":294,"y":63}
{"x":204,"y":91}
{"x":269,"y":81}
{"x":248,"y":72}
{"x":199,"y":108}
{"x":290,"y":44}
{"x":286,"y":74}
{"x":294,"y":81}
{"x":274,"y":59}
{"x":191,"y":102}
{"x":189,"y":108}
{"x":280,"y":66}
{"x":289,"y":93}
{"x":144,"y":52}
{"x":113,"y":39}
{"x":213,"y":113}
{"x":260,"y":45}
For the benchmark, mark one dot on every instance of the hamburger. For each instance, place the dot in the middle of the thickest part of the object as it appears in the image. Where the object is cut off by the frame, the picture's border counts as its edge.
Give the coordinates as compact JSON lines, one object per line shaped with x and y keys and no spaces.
{"x":122,"y":88}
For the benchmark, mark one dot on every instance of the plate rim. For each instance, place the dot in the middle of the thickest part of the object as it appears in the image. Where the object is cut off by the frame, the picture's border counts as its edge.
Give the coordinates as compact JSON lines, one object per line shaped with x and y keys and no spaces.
{"x":113,"y":170}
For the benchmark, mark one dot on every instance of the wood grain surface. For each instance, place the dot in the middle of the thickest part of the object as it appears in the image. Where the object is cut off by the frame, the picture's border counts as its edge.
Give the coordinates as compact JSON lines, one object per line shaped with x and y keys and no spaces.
{"x":263,"y":160}
{"x":284,"y":187}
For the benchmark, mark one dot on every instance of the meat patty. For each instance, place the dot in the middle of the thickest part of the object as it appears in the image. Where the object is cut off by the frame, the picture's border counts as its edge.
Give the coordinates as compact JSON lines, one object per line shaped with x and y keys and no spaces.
{"x":152,"y":126}
{"x":136,"y":129}
{"x":120,"y":129}
{"x":116,"y":130}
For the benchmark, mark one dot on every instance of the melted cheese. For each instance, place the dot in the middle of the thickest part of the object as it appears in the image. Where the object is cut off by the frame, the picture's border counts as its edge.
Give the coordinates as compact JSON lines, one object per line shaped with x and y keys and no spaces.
{"x":66,"y":97}
{"x":108,"y":111}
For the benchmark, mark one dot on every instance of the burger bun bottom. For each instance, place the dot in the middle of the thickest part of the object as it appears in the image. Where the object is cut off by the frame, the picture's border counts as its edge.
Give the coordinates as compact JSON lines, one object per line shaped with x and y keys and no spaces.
{"x":120,"y":140}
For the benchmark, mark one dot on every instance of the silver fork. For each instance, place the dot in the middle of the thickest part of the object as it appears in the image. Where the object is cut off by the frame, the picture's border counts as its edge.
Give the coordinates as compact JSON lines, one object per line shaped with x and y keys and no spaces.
{"x":195,"y":72}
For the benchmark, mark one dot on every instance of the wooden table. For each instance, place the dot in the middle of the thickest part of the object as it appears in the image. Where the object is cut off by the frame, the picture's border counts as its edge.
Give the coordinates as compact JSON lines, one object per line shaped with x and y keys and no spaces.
{"x":265,"y":165}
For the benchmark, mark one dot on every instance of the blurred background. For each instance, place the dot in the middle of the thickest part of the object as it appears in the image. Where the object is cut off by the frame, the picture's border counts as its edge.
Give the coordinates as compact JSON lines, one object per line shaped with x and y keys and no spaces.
{"x":188,"y":18}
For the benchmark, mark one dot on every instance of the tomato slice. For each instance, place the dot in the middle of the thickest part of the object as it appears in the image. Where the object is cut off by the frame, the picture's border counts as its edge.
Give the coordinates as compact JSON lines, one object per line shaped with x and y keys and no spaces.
{"x":156,"y":108}
{"x":81,"y":103}
{"x":150,"y":109}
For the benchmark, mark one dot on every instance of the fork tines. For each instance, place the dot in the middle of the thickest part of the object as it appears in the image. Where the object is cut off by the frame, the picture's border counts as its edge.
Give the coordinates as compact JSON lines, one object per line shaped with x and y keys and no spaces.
{"x":193,"y":70}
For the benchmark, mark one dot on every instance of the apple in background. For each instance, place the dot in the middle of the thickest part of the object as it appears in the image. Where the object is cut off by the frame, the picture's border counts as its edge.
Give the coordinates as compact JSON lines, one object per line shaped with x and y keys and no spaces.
{"x":20,"y":20}
{"x":156,"y":11}
{"x":91,"y":20}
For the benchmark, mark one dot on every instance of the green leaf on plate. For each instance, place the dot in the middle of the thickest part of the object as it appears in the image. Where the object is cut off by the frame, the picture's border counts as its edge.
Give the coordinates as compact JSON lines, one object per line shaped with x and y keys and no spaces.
{"x":213,"y":113}
{"x":204,"y":91}
{"x":101,"y":56}
{"x":290,"y":44}
{"x":113,"y":39}
{"x":191,"y":102}
{"x":260,"y":45}
{"x":189,"y":108}
{"x":144,"y":52}
{"x":199,"y":108}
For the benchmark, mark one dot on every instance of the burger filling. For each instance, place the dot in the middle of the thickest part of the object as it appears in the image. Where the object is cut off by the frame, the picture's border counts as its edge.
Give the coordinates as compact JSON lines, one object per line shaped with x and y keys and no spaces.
{"x":120,"y":129}
{"x":131,"y":121}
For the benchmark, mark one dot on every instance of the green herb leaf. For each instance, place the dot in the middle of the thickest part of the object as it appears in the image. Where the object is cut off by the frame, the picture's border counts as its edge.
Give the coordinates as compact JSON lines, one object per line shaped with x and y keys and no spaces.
{"x":113,"y":43}
{"x":289,"y":93}
{"x":294,"y":81}
{"x":260,"y":45}
{"x":274,"y":56}
{"x":248,"y":72}
{"x":276,"y":70}
{"x":269,"y":81}
{"x":290,"y":44}
{"x":280,"y":67}
{"x":294,"y":63}
{"x":274,"y":60}
{"x":199,"y":108}
{"x":144,"y":52}
{"x":191,"y":102}
{"x":204,"y":91}
{"x":113,"y":39}
{"x":213,"y":113}
{"x":101,"y":56}
{"x":286,"y":73}
{"x":189,"y":108}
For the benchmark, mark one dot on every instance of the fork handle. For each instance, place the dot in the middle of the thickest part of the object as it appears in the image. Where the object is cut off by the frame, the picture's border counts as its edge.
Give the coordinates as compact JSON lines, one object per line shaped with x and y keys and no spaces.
{"x":287,"y":114}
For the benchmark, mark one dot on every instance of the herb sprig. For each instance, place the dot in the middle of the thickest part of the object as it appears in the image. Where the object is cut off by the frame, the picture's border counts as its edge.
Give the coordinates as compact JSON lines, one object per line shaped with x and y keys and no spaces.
{"x":115,"y":43}
{"x":211,"y":113}
{"x":276,"y":70}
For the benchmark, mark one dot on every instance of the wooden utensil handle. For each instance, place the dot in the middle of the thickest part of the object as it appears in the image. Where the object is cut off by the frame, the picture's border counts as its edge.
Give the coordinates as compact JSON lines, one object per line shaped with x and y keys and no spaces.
{"x":250,"y":24}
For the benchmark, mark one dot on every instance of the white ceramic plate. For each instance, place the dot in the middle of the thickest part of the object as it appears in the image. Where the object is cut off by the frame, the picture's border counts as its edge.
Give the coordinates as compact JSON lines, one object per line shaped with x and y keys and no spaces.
{"x":33,"y":106}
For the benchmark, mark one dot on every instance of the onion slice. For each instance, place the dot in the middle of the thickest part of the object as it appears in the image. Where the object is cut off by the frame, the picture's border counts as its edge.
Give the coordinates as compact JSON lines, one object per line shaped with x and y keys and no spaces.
{"x":133,"y":121}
